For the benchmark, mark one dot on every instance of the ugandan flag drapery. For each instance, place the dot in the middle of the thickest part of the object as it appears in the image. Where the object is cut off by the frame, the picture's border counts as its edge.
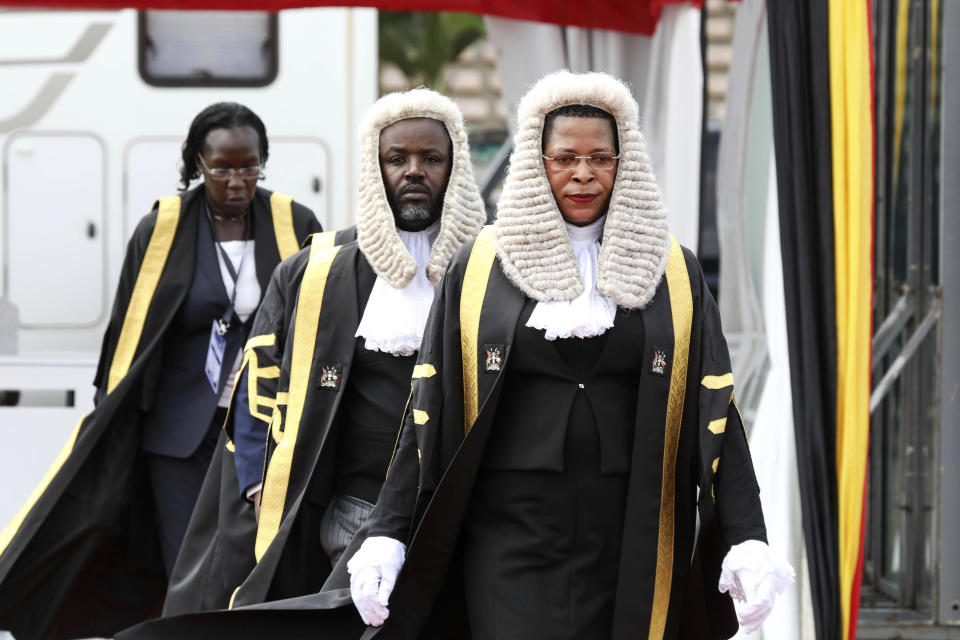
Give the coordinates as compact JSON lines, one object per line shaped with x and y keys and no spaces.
{"x":822,"y":77}
{"x":851,"y":108}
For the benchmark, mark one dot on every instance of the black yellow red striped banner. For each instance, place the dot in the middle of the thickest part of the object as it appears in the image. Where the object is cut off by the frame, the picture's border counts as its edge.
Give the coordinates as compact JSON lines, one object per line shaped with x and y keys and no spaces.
{"x":799,"y":72}
{"x":822,"y":71}
{"x":851,"y":109}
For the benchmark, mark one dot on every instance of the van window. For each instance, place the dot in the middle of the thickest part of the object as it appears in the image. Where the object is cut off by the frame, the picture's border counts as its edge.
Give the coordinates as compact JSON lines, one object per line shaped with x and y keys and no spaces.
{"x":207,"y":48}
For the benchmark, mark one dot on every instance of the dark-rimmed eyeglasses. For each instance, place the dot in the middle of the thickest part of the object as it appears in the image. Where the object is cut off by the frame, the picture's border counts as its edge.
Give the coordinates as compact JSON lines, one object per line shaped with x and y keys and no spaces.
{"x":224,"y":173}
{"x":569,"y":161}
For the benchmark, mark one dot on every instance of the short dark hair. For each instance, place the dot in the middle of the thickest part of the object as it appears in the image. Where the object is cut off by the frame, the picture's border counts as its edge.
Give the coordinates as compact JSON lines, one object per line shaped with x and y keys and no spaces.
{"x":578,"y":111}
{"x":222,"y":115}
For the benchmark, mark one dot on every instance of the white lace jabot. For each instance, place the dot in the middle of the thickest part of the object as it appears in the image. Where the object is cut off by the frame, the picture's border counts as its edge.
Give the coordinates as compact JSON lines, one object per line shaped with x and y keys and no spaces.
{"x":394,"y":319}
{"x":589,"y":314}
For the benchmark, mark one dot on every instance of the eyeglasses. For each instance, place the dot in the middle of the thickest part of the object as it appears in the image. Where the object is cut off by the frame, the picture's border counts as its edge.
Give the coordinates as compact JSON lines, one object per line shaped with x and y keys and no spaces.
{"x":569,"y":162}
{"x":224,"y":173}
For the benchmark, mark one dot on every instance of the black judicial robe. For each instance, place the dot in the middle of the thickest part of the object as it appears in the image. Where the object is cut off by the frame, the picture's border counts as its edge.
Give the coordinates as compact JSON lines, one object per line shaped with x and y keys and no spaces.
{"x":299,"y":477}
{"x":317,"y":356}
{"x":688,"y":437}
{"x":217,"y":552}
{"x":81,"y":558}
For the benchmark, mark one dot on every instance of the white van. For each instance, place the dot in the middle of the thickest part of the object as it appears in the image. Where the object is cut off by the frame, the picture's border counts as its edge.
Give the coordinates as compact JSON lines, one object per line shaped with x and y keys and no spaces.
{"x":94,"y":106}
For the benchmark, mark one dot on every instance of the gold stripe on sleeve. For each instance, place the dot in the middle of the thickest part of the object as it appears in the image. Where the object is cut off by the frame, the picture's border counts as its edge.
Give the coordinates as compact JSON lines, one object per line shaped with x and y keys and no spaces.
{"x":718,"y":382}
{"x":681,"y":308}
{"x":253,"y":387}
{"x":283,"y":397}
{"x":264,"y":340}
{"x":268,"y":372}
{"x":282,"y":212}
{"x":276,"y":420}
{"x":717,"y":426}
{"x":154,"y":260}
{"x":424,"y":371}
{"x":471,"y":303}
{"x":277,"y":477}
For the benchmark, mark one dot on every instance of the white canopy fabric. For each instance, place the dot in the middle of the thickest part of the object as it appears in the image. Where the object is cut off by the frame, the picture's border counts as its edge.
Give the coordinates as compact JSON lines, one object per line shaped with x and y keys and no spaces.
{"x":753,"y":311}
{"x":743,"y":162}
{"x":773,"y":444}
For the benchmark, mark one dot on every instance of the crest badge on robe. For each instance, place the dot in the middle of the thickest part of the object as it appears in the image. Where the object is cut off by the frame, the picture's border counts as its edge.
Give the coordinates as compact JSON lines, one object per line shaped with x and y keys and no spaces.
{"x":658,"y":366}
{"x":494,"y":357}
{"x":330,"y":376}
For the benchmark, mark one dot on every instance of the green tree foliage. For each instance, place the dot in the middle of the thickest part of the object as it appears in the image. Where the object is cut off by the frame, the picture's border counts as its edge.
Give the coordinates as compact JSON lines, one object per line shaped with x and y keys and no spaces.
{"x":421,"y":43}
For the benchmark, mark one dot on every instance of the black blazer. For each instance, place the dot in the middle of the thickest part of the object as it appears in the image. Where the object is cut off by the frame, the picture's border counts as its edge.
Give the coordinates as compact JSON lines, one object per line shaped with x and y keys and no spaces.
{"x":539,"y":390}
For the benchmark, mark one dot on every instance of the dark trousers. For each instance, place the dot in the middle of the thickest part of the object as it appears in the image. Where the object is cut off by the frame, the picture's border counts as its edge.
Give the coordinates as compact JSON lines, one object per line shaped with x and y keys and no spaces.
{"x":176,"y":485}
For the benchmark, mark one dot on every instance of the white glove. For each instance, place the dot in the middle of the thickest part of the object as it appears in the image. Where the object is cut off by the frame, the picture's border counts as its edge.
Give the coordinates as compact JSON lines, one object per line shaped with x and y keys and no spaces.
{"x":753,"y":576}
{"x":373,"y":572}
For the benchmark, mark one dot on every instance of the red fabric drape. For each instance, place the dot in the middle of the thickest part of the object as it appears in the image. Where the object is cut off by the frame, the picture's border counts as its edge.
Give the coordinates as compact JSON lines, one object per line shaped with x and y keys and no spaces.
{"x":633,"y":16}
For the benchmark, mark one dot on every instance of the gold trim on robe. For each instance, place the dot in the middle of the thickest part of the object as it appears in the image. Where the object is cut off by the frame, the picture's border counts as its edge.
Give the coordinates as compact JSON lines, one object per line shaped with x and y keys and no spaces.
{"x":277,"y":475}
{"x":154,"y":260}
{"x":474,"y":288}
{"x":681,"y":308}
{"x":282,"y":211}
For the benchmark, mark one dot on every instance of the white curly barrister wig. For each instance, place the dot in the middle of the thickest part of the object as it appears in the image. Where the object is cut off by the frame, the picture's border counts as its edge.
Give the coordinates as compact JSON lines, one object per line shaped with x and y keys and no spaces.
{"x":531,"y":239}
{"x":463,"y":211}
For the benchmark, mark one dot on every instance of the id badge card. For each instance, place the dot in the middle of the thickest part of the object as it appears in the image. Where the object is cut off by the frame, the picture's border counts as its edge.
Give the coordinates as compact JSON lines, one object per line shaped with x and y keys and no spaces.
{"x":215,"y":349}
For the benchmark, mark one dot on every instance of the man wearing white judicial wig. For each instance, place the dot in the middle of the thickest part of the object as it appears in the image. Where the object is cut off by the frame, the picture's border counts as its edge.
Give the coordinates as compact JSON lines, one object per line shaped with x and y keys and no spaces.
{"x":355,"y":329}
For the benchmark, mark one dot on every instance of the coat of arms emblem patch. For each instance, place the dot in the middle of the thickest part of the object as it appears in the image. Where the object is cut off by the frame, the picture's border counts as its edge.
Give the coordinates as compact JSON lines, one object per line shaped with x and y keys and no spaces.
{"x":330,"y":376}
{"x":659,"y":364}
{"x":494,"y":357}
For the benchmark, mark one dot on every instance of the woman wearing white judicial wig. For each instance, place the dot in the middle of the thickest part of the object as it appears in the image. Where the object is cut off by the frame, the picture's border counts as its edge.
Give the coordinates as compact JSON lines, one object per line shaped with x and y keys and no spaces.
{"x":577,"y":413}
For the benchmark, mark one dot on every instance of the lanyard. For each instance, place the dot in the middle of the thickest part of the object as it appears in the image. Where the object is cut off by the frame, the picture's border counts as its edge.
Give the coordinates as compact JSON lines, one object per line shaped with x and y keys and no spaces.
{"x":223,"y":324}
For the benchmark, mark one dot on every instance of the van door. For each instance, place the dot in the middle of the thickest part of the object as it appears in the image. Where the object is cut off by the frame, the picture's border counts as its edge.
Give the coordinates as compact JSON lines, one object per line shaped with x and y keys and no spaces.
{"x":151,"y":171}
{"x":299,"y":167}
{"x":54,"y":228}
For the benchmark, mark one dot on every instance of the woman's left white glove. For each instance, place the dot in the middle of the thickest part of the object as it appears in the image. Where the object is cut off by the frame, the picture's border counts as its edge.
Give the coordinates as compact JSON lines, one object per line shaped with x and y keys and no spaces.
{"x":752,"y":575}
{"x":373,"y":572}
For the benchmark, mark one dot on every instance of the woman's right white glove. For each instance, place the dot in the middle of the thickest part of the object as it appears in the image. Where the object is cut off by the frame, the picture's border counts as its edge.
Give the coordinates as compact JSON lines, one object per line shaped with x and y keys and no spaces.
{"x":373,"y":572}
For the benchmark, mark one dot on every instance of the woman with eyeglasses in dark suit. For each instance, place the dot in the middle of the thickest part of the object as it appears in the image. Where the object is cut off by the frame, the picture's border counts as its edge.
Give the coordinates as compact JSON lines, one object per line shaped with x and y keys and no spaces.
{"x":253,"y":229}
{"x":91,"y":551}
